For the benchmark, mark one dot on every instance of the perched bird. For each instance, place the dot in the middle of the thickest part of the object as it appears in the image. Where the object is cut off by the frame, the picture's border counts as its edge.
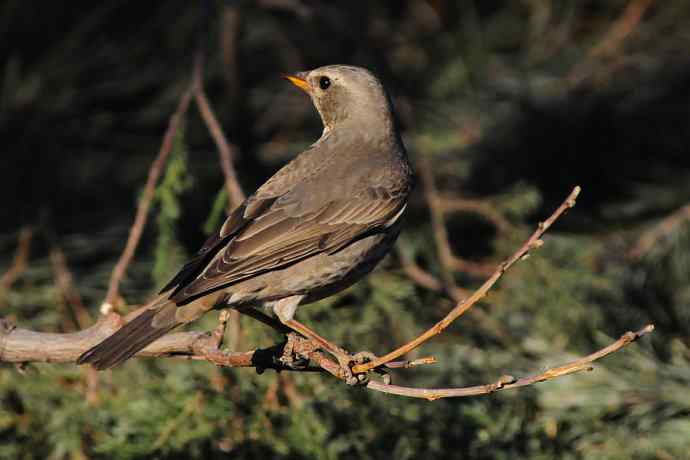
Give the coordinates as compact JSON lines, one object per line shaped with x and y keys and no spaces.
{"x":317,"y":226}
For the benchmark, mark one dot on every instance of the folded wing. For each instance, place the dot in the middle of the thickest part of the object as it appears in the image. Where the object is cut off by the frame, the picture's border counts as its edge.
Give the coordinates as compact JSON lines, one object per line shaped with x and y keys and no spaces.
{"x":264,"y":236}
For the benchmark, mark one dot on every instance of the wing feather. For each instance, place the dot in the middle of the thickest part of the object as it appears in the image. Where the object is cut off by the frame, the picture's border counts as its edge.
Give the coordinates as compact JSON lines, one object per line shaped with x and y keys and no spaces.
{"x":283,"y":234}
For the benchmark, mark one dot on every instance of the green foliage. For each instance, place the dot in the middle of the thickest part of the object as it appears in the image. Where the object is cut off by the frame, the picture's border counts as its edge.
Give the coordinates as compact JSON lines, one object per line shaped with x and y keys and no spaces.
{"x":168,"y":253}
{"x":217,"y":214}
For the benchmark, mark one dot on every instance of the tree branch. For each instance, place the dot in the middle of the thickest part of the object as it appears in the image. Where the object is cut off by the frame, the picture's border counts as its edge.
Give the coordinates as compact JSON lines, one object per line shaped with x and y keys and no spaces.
{"x":296,"y":354}
{"x":226,"y":153}
{"x":65,"y":285}
{"x":449,"y":261}
{"x":507,"y":382}
{"x":483,"y":208}
{"x":622,"y":28}
{"x":21,"y":256}
{"x":225,"y":150}
{"x":532,"y":242}
{"x":659,"y":231}
{"x":145,"y":202}
{"x":25,"y":346}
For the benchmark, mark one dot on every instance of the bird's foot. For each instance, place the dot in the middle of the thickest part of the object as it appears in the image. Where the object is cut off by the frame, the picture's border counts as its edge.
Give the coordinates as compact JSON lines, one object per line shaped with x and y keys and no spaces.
{"x":364,"y":357}
{"x":296,"y":351}
{"x":347,"y":360}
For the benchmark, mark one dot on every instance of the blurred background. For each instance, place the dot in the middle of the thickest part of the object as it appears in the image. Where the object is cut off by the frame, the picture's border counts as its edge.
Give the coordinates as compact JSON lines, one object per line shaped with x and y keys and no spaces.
{"x":504,"y":107}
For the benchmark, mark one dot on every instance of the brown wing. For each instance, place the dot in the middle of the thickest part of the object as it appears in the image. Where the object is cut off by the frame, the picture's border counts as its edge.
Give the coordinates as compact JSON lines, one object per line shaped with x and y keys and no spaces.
{"x":217,"y":241}
{"x":285,"y":232}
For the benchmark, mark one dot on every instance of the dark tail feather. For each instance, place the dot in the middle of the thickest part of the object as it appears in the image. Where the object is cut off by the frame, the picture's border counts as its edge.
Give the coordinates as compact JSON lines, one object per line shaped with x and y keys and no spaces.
{"x":127,"y":341}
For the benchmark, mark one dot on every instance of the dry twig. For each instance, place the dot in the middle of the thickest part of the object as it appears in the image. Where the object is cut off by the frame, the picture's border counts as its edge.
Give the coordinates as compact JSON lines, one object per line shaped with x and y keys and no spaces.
{"x":659,"y":231}
{"x":449,"y":261}
{"x":508,"y":381}
{"x":428,"y":281}
{"x":298,"y":354}
{"x":621,"y":28}
{"x":532,"y":242}
{"x":610,"y":45}
{"x":483,"y":208}
{"x":145,"y":203}
{"x":65,"y":284}
{"x":21,"y":256}
{"x":225,"y":150}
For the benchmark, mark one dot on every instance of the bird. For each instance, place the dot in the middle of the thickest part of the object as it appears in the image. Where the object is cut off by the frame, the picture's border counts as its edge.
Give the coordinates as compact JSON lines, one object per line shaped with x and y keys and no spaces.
{"x":317,"y":226}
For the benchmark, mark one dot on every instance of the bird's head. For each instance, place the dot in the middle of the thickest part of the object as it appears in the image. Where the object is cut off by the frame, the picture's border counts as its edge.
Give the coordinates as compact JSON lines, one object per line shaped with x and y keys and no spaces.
{"x":343,"y":94}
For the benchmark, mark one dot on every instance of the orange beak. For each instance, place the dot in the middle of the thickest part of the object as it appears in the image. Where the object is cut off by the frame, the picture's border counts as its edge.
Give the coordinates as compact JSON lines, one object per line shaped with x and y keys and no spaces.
{"x":299,"y":81}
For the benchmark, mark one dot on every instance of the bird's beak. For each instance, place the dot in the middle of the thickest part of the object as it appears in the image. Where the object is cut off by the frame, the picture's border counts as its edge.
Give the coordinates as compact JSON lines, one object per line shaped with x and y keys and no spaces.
{"x":299,"y":80}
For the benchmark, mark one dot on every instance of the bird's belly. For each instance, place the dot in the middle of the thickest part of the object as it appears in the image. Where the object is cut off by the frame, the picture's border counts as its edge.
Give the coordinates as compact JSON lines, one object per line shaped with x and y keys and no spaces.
{"x":344,"y":268}
{"x":318,"y":276}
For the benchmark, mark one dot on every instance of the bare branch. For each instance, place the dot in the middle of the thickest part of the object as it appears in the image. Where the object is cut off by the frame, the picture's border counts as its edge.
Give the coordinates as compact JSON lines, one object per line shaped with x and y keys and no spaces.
{"x":145,"y":202}
{"x":410,"y":364}
{"x":612,"y":42}
{"x":297,"y":354}
{"x":621,"y":28}
{"x":661,"y":230}
{"x":507,"y":382}
{"x":449,"y":261}
{"x":21,"y":256}
{"x":21,"y":345}
{"x":483,"y":208}
{"x":225,"y":150}
{"x":65,"y":284}
{"x":236,"y":196}
{"x":426,"y":280}
{"x":532,"y":242}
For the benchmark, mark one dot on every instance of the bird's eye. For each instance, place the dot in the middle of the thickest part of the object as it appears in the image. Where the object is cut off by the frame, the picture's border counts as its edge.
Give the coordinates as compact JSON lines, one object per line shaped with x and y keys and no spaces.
{"x":324,"y":82}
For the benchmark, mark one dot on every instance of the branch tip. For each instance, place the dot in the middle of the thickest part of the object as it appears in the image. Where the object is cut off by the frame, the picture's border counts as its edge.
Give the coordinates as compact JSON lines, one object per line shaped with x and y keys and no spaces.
{"x":464,"y":305}
{"x":106,"y":308}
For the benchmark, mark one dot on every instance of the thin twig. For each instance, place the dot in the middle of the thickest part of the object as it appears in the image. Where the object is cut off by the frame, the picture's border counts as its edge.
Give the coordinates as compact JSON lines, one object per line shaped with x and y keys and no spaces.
{"x":481,"y":207}
{"x":661,"y":230}
{"x":507,"y":382}
{"x":532,"y":242}
{"x":449,"y":261}
{"x":621,"y":28}
{"x":65,"y":284}
{"x":225,"y":150}
{"x":426,"y":280}
{"x":21,"y":256}
{"x":145,"y":202}
{"x":430,"y":282}
{"x":79,"y":316}
{"x":413,"y":363}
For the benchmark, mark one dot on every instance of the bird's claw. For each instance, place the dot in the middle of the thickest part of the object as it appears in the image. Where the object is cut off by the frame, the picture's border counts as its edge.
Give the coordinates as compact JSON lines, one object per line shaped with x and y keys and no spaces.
{"x":347,"y":360}
{"x":363,"y":357}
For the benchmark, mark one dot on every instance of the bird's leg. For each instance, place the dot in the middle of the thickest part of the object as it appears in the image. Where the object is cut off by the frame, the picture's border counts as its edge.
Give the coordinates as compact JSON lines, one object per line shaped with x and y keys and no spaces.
{"x":364,"y":357}
{"x":285,"y":310}
{"x":344,"y":358}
